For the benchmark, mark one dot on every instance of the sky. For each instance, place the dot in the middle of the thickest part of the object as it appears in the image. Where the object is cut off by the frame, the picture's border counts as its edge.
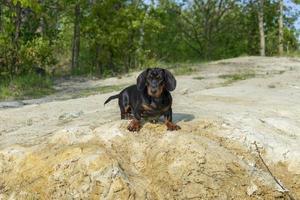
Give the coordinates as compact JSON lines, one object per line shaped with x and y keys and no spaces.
{"x":293,"y":6}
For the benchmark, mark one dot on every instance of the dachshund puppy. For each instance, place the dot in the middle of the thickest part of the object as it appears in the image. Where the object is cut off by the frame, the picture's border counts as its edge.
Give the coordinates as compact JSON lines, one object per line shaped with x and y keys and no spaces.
{"x":149,"y":98}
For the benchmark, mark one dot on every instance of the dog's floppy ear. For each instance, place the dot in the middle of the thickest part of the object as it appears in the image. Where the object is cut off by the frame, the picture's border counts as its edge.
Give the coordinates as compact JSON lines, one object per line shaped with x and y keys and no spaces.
{"x":141,"y":80}
{"x":170,"y":80}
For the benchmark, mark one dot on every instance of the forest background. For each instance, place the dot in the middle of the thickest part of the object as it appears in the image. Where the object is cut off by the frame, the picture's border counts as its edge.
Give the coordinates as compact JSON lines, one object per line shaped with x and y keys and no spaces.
{"x":42,"y":39}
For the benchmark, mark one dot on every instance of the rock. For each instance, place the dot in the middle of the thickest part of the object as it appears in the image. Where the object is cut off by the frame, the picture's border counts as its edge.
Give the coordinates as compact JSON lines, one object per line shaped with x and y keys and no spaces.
{"x":79,"y":148}
{"x":11,"y":104}
{"x":71,"y":135}
{"x":70,"y":116}
{"x":184,"y":91}
{"x":76,"y":162}
{"x":251,"y":189}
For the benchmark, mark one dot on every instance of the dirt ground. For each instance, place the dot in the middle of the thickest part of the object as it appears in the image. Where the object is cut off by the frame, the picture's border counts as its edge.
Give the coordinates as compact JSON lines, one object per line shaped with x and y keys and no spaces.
{"x":61,"y":148}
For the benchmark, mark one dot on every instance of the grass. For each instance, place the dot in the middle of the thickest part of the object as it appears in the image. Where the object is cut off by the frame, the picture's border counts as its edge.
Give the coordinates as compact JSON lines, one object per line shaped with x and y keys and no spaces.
{"x":231,"y":78}
{"x":184,"y":70}
{"x":292,"y":54}
{"x":181,"y":68}
{"x":199,"y":78}
{"x":33,"y":86}
{"x":97,"y":90}
{"x":25,"y":87}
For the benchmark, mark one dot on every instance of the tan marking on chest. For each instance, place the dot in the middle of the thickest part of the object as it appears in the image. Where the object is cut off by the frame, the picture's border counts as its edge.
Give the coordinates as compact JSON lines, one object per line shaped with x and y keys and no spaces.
{"x":147,"y":107}
{"x":150,"y":107}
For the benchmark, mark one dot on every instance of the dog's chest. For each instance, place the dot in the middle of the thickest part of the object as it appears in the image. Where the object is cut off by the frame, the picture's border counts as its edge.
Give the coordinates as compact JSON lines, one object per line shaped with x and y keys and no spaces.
{"x":154,"y":108}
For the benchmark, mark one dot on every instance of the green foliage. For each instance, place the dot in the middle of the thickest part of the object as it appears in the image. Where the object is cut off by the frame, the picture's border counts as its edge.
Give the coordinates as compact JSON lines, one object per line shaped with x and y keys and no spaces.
{"x":118,"y":36}
{"x":26,"y":86}
{"x":27,"y":39}
{"x":183,"y":70}
{"x":37,"y":52}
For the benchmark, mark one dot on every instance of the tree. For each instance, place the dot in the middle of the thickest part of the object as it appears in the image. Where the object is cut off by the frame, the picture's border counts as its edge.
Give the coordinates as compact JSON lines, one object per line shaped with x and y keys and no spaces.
{"x":280,"y":30}
{"x":261,"y":27}
{"x":112,"y":36}
{"x":14,"y":68}
{"x":76,"y":38}
{"x":214,"y":29}
{"x":1,"y":16}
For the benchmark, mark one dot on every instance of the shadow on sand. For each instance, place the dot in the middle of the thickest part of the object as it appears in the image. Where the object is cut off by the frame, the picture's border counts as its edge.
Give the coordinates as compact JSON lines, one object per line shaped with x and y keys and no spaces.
{"x":177,"y":117}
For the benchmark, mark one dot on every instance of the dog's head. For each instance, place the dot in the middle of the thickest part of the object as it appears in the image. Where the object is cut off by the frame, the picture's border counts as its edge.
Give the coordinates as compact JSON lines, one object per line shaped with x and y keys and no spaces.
{"x":156,"y":80}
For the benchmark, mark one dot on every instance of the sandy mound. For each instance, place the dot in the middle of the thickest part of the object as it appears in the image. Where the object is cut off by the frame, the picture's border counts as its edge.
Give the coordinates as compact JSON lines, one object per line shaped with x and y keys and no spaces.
{"x":152,"y":164}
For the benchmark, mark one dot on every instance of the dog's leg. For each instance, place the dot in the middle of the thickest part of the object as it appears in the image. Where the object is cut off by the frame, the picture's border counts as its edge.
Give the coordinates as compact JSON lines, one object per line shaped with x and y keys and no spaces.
{"x":123,"y":113}
{"x":168,"y":121}
{"x":124,"y":107}
{"x":128,"y":113}
{"x":135,"y":124}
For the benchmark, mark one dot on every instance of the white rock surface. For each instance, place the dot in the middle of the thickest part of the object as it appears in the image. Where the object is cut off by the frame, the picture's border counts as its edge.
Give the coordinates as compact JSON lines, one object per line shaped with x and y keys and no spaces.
{"x":80,"y":149}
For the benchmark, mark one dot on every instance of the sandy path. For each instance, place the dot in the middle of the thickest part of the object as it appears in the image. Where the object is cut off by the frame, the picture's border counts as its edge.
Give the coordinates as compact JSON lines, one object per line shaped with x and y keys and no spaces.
{"x":78,"y":148}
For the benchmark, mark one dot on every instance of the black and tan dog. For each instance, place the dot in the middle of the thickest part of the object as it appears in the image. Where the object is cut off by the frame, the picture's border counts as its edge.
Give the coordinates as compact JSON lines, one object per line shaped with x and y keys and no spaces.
{"x":149,"y":98}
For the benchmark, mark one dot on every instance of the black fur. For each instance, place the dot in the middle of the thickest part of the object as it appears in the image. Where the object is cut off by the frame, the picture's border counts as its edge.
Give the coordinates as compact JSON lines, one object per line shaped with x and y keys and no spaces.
{"x":149,"y":98}
{"x":111,"y":98}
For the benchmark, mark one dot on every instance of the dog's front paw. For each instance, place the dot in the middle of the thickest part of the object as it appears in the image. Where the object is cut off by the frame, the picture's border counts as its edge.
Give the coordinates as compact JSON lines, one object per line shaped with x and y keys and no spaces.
{"x":172,"y":127}
{"x":134,"y":126}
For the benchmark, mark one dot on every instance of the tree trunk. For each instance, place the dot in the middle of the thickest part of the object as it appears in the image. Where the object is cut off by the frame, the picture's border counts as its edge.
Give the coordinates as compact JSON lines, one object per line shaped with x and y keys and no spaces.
{"x":261,"y":27}
{"x":1,"y":17}
{"x":17,"y":24}
{"x":111,"y":61}
{"x":14,"y":65}
{"x":76,"y":38}
{"x":98,"y":62}
{"x":42,"y":26}
{"x":280,"y":22}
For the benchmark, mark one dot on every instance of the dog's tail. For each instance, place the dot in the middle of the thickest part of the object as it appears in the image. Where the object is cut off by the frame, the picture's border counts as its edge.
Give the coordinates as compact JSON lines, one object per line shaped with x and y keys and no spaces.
{"x":111,"y":98}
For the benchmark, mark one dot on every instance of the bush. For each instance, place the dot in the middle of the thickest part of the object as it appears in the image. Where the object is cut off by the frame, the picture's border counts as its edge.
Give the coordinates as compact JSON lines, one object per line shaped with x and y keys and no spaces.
{"x":26,"y":86}
{"x":36,"y":53}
